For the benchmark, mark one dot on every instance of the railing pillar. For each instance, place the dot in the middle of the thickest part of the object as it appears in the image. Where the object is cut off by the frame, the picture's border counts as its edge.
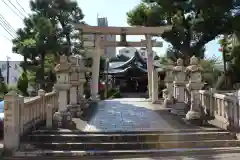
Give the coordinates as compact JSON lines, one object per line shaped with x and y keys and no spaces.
{"x":49,"y":120}
{"x":212,"y":102}
{"x":42,"y":93}
{"x":11,"y":122}
{"x":21,"y":114}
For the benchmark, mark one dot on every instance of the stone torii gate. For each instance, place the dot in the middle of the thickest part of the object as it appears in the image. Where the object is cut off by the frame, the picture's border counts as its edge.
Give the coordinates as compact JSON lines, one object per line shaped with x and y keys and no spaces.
{"x":149,"y":32}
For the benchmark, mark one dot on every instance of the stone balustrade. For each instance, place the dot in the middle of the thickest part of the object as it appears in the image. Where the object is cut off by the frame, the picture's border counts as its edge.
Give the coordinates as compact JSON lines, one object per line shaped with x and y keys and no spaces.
{"x":21,"y":116}
{"x":222,"y":109}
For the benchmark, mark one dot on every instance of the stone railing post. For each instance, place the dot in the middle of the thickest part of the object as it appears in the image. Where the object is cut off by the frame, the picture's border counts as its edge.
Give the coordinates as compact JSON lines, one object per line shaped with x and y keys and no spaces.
{"x":179,"y":88}
{"x":194,"y":71}
{"x":168,"y":91}
{"x":55,"y":100}
{"x":212,"y":106}
{"x":49,"y":119}
{"x":42,"y":93}
{"x":21,"y":114}
{"x":11,"y":122}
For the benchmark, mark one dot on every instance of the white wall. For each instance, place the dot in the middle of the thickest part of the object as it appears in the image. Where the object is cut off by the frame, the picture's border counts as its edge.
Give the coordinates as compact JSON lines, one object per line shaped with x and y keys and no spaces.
{"x":15,"y":71}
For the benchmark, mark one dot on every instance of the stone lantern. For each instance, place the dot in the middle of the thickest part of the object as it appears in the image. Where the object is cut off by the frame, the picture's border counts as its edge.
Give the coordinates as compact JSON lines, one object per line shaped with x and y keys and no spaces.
{"x":168,"y":91}
{"x":81,"y":81}
{"x":179,"y":88}
{"x":73,"y":107}
{"x":62,"y":86}
{"x":194,"y":72}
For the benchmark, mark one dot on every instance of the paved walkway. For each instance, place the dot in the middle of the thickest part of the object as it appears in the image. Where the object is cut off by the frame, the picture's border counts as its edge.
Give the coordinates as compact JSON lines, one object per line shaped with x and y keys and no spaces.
{"x":232,"y":156}
{"x":131,"y":114}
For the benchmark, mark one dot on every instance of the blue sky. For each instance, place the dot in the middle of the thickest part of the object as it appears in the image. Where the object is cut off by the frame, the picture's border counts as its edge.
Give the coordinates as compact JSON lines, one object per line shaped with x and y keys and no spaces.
{"x":115,"y":11}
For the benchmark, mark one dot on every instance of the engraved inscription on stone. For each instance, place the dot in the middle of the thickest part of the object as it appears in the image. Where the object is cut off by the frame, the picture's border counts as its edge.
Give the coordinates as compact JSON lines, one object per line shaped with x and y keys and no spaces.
{"x":8,"y":117}
{"x":7,"y":106}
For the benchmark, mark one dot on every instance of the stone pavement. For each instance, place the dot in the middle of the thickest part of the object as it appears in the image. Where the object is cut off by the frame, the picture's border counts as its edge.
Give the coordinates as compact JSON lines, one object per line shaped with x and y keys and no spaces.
{"x":230,"y":156}
{"x":132,"y":114}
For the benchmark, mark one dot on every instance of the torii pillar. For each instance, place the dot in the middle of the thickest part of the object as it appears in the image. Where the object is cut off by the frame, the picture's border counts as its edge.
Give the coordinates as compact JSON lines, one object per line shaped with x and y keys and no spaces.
{"x":95,"y":68}
{"x":149,"y":45}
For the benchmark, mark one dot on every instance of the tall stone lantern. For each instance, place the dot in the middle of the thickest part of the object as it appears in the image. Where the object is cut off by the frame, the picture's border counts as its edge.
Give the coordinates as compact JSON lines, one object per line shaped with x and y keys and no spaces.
{"x":81,"y":81}
{"x":74,"y":106}
{"x":62,"y":86}
{"x":168,"y":91}
{"x":194,"y":72}
{"x":179,"y":88}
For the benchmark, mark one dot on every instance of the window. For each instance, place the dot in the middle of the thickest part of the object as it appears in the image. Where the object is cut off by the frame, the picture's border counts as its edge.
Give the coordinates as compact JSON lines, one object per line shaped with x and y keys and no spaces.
{"x":4,"y":66}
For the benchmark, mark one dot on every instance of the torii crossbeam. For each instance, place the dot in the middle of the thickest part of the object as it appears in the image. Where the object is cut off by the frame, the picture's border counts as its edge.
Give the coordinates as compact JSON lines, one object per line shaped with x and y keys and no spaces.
{"x":137,"y":30}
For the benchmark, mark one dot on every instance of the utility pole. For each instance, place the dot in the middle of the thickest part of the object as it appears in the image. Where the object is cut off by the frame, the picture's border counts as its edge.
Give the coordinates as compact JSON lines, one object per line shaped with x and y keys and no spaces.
{"x":106,"y":77}
{"x":8,"y":69}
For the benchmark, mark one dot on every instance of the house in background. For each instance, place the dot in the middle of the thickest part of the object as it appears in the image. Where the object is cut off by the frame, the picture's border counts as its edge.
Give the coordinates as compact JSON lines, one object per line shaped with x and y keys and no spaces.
{"x":130,"y":52}
{"x":14,"y":71}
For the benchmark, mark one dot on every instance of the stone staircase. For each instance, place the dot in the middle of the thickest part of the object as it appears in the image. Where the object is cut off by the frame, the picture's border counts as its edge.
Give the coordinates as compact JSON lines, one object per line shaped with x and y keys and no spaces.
{"x":66,"y":144}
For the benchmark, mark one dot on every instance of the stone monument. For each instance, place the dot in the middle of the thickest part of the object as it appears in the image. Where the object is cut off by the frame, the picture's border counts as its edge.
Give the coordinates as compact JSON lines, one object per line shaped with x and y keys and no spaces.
{"x":179,"y":88}
{"x":62,"y":117}
{"x":194,"y":71}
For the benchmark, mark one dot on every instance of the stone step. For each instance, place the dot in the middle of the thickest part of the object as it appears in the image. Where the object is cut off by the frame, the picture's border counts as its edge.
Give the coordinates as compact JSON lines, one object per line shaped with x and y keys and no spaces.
{"x":113,"y":154}
{"x":135,"y":145}
{"x":138,"y":137}
{"x":67,"y":131}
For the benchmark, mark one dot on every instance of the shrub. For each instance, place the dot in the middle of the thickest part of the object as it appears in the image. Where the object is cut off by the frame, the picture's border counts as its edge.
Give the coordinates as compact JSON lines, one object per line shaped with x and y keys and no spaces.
{"x":113,"y":93}
{"x":22,"y":84}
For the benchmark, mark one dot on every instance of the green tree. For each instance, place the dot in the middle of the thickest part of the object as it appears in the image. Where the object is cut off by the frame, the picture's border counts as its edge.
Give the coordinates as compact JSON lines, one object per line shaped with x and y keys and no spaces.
{"x":211,"y":70}
{"x":65,"y":13}
{"x":36,"y":39}
{"x":22,"y":84}
{"x":47,"y":31}
{"x":3,"y":86}
{"x":195,"y":22}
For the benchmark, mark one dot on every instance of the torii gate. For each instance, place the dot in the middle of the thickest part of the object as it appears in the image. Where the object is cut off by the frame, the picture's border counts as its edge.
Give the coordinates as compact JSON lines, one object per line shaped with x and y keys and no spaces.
{"x":123,"y":32}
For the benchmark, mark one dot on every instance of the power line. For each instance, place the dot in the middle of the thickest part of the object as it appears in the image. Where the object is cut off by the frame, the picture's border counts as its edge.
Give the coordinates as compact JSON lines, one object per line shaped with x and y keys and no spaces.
{"x":5,"y":22}
{"x":6,"y":30}
{"x":8,"y":39}
{"x":16,"y":8}
{"x":21,"y":7}
{"x":12,"y":10}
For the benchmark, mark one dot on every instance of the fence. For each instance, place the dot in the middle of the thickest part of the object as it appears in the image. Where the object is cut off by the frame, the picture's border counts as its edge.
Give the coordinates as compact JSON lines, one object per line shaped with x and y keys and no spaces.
{"x":223,"y":109}
{"x":20,"y":115}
